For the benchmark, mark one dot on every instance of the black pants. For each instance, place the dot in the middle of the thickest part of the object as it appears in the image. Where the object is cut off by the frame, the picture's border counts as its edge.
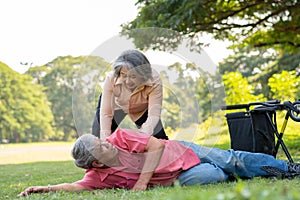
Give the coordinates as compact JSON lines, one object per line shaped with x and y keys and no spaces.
{"x":119,"y":115}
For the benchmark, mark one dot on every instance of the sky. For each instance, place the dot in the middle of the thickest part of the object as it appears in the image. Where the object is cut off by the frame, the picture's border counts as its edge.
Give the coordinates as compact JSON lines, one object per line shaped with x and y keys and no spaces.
{"x":38,"y":31}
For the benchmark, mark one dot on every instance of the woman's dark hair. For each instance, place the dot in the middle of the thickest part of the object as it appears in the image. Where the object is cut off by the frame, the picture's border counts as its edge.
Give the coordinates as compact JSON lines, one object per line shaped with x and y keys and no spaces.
{"x":133,"y":59}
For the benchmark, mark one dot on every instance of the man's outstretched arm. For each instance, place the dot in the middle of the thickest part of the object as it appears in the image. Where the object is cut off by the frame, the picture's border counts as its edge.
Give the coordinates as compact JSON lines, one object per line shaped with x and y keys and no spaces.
{"x":60,"y":187}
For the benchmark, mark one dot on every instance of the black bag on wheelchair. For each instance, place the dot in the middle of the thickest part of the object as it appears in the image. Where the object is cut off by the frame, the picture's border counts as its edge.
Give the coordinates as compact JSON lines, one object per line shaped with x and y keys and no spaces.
{"x":253,"y":131}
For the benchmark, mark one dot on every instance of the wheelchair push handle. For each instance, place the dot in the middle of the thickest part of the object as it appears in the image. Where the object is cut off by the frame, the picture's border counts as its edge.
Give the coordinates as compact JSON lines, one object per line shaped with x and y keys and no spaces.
{"x":233,"y":107}
{"x":270,"y":103}
{"x":293,"y":109}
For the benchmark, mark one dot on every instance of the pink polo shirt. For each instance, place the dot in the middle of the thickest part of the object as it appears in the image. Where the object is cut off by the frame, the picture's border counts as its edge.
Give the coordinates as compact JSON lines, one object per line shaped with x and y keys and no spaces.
{"x":176,"y":158}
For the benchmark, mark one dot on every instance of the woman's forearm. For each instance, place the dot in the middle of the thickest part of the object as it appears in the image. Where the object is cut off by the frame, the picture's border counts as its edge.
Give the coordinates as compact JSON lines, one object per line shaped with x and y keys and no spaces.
{"x":106,"y":109}
{"x":150,"y":124}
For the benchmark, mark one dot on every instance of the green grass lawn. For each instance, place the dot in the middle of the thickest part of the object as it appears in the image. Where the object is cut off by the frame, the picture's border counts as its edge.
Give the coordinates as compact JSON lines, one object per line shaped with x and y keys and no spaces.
{"x":24,"y":165}
{"x":16,"y":177}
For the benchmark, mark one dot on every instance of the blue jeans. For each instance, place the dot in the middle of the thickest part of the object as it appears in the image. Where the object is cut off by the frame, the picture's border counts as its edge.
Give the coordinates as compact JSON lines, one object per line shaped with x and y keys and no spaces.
{"x":217,"y":165}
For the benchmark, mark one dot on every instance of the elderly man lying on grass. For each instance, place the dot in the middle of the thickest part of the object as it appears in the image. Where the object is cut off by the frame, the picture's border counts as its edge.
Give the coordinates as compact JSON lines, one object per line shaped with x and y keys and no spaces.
{"x":133,"y":160}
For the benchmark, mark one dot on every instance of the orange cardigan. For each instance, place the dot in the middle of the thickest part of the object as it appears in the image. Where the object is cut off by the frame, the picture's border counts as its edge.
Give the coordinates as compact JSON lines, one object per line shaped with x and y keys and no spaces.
{"x":147,"y":96}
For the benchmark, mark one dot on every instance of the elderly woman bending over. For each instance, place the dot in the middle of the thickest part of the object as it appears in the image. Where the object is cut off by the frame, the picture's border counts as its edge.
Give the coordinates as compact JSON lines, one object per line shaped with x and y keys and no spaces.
{"x":134,"y":89}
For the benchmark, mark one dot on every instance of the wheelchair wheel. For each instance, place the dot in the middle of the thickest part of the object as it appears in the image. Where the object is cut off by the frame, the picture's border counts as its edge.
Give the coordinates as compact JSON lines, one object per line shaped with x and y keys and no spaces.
{"x":295,"y":115}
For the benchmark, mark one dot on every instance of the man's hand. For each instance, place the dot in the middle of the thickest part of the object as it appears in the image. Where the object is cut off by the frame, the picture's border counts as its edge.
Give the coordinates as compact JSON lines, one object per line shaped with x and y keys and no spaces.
{"x":140,"y":185}
{"x":60,"y":187}
{"x":34,"y":189}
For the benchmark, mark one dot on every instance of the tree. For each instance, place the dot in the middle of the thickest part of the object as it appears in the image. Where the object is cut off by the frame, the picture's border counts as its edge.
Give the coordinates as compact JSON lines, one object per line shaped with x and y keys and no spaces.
{"x":72,"y":86}
{"x":171,"y":110}
{"x":238,"y":90}
{"x":190,"y":95}
{"x":25,"y":110}
{"x":248,"y":61}
{"x":259,"y":64}
{"x":271,"y":23}
{"x":284,"y":86}
{"x":264,"y":34}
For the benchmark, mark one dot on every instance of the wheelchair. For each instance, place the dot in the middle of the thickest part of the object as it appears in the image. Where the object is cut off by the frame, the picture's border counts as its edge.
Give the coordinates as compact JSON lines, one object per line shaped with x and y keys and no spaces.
{"x":255,"y":128}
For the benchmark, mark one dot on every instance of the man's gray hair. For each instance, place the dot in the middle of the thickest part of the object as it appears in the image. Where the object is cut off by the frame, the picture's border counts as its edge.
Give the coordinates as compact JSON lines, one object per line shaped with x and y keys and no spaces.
{"x":133,"y":59}
{"x":83,"y":150}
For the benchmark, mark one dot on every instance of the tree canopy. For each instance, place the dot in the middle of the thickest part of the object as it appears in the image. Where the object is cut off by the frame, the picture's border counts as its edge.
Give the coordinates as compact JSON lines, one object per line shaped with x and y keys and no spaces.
{"x":273,"y":23}
{"x":24,"y":107}
{"x":70,"y":85}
